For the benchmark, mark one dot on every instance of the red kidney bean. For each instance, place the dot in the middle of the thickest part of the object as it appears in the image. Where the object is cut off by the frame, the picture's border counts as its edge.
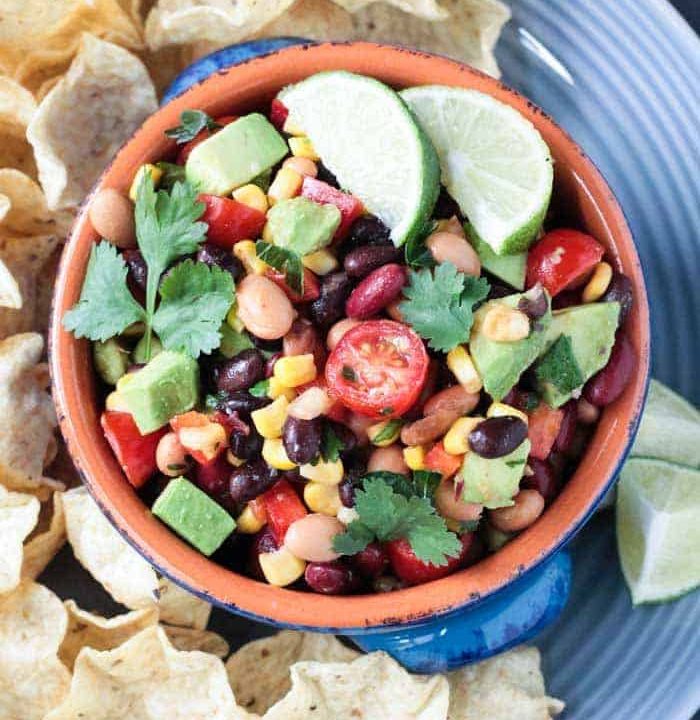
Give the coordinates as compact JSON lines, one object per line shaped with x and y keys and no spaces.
{"x":620,"y":290}
{"x":607,"y":385}
{"x":329,"y":307}
{"x":567,"y":429}
{"x":241,"y":371}
{"x":362,"y":261}
{"x":376,"y":291}
{"x":302,"y":439}
{"x":497,"y":436}
{"x":543,"y":479}
{"x":371,"y":562}
{"x":250,"y":480}
{"x":213,"y":255}
{"x":330,"y":578}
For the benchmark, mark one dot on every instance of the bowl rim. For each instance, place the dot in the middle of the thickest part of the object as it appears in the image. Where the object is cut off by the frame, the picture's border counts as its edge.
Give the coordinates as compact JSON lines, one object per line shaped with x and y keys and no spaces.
{"x":72,"y":374}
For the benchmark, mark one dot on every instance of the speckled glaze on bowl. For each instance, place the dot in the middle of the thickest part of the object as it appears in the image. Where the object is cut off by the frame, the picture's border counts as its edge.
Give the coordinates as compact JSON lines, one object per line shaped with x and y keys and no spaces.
{"x":582,"y":198}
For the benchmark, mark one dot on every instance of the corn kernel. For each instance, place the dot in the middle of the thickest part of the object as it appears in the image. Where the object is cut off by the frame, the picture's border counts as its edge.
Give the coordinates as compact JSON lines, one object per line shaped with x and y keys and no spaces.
{"x":303,"y":166}
{"x":280,"y":567}
{"x":326,"y":473}
{"x":324,"y":499}
{"x":462,"y":366}
{"x":414,"y":457}
{"x":156,"y":175}
{"x":267,"y":234}
{"x":206,"y":439}
{"x":291,"y":127}
{"x":456,"y":440}
{"x":245,"y":252}
{"x":276,"y":389}
{"x":248,"y":522}
{"x":384,"y":433}
{"x":295,"y":370}
{"x":321,"y":262}
{"x":270,"y":419}
{"x":499,"y":409}
{"x":275,"y":455}
{"x":232,"y":319}
{"x":234,"y":460}
{"x":303,"y":147}
{"x":115,"y":402}
{"x":505,"y":324}
{"x":286,"y":185}
{"x":598,"y":284}
{"x":252,"y":196}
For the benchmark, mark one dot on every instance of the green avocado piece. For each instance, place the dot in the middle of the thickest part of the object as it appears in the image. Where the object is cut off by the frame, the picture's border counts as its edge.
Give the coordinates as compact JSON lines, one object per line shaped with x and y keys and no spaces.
{"x":111,"y":360}
{"x":167,"y":386}
{"x":138,"y":354}
{"x":492,"y":482}
{"x":235,"y":155}
{"x":232,"y":341}
{"x":509,"y":268}
{"x":500,"y":364}
{"x":590,"y":330}
{"x":193,"y":515}
{"x":302,"y":225}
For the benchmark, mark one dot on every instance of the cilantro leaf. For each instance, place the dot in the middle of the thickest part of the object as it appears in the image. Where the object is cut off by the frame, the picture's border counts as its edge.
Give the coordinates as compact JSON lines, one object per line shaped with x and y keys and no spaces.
{"x":194,"y":301}
{"x":285,"y":261}
{"x":331,"y":445}
{"x":422,"y":483}
{"x":232,"y":341}
{"x":260,"y":388}
{"x":427,"y":533}
{"x":399,"y":483}
{"x":416,"y":251}
{"x":356,"y":538}
{"x":106,"y":307}
{"x":425,"y":483}
{"x":558,"y":367}
{"x":440,"y":303}
{"x":192,"y":122}
{"x":389,"y":431}
{"x":172,"y":173}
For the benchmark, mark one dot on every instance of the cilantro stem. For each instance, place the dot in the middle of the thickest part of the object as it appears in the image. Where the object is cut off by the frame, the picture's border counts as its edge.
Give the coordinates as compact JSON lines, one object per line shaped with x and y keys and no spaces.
{"x":151,"y":289}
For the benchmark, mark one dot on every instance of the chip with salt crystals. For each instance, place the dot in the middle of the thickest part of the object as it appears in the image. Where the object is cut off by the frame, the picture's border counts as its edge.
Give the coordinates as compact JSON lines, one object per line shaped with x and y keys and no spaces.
{"x":501,"y":688}
{"x":18,"y":516}
{"x":147,"y":679}
{"x":32,"y":679}
{"x":259,"y":671}
{"x":121,"y":571}
{"x":77,"y":128}
{"x":206,"y":641}
{"x":27,"y":411}
{"x":85,"y":629}
{"x":427,"y":9}
{"x":373,"y":686}
{"x":46,"y":540}
{"x":17,"y":106}
{"x":180,"y":607}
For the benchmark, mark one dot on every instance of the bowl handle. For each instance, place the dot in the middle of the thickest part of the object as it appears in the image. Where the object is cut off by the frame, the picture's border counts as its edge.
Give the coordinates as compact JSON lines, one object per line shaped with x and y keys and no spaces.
{"x":225,"y":57}
{"x":497,"y":623}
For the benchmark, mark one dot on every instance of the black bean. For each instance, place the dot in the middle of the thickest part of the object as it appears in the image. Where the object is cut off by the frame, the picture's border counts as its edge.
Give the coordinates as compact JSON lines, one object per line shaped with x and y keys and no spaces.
{"x":329,"y":307}
{"x":213,"y":255}
{"x":246,"y":445}
{"x":543,"y":479}
{"x":263,"y":542}
{"x":620,"y":290}
{"x":272,"y":346}
{"x":346,"y":490}
{"x":241,"y":371}
{"x":242,"y":402}
{"x":446,"y":207}
{"x":302,"y":439}
{"x":251,"y":480}
{"x":498,"y":290}
{"x":366,"y":230}
{"x":534,"y":303}
{"x":363,"y":260}
{"x":330,"y":578}
{"x":497,"y":436}
{"x":138,"y":270}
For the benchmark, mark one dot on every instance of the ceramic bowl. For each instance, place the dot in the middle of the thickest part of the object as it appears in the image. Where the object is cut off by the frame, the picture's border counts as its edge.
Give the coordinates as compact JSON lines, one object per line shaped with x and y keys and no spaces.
{"x":502,"y":600}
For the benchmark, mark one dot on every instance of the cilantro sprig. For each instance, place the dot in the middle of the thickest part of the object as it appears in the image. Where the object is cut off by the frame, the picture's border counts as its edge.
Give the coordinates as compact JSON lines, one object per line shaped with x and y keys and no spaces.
{"x":284,"y":260}
{"x":440,"y":303}
{"x":386,"y":514}
{"x":192,"y":122}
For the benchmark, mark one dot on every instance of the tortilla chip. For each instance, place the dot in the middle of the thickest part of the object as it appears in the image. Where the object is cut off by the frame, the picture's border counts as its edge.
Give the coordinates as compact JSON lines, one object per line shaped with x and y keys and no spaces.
{"x":180,"y":607}
{"x":426,"y":9}
{"x":147,"y":679}
{"x":86,"y":629}
{"x":17,"y":106}
{"x":28,"y":412}
{"x":502,"y":688}
{"x":206,"y":641}
{"x":18,"y":516}
{"x":10,"y":295}
{"x":83,"y":121}
{"x":259,"y":671}
{"x":44,"y":545}
{"x":121,"y":571}
{"x":373,"y":686}
{"x":62,"y":467}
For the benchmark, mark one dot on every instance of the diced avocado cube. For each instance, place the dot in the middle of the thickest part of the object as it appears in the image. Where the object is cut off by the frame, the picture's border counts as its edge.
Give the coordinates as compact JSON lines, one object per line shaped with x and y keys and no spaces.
{"x":493,"y":482}
{"x":557,"y":371}
{"x":193,"y":515}
{"x":500,"y":364}
{"x":591,"y":332}
{"x":302,"y":225}
{"x":235,"y":155}
{"x":111,"y":360}
{"x":167,"y":386}
{"x":509,"y":268}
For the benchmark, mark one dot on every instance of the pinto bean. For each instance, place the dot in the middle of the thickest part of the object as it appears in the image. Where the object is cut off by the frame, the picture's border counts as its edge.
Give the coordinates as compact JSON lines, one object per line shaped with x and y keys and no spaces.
{"x":389,"y":459}
{"x":311,"y":537}
{"x":454,"y":399}
{"x":449,"y":247}
{"x":263,"y":307}
{"x":528,"y":506}
{"x":428,"y":428}
{"x":112,"y":217}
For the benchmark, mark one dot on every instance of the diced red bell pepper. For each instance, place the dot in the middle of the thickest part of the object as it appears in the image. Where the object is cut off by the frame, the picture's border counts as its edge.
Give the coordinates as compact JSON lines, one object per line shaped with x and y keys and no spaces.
{"x":230,"y":221}
{"x":324,"y":194}
{"x":193,"y":419}
{"x":413,"y":571}
{"x":202,"y":135}
{"x":135,"y":452}
{"x":278,"y":113}
{"x":543,"y":427}
{"x":311,"y":285}
{"x":560,"y":258}
{"x":282,"y":507}
{"x":440,"y":461}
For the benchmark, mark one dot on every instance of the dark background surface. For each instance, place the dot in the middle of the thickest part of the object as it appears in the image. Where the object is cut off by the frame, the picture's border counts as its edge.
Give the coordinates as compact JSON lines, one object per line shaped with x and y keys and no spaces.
{"x":690,"y":9}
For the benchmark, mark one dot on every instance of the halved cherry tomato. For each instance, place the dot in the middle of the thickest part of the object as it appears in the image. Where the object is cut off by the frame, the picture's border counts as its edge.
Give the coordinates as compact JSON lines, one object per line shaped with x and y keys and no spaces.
{"x":413,"y":571}
{"x":324,"y":194}
{"x":136,"y":453}
{"x":311,"y":286}
{"x":202,"y":135}
{"x":194,"y":419}
{"x":282,"y":507}
{"x":543,"y":427}
{"x":378,"y":368}
{"x":230,"y":221}
{"x":278,"y":113}
{"x":561,"y":258}
{"x":440,"y":461}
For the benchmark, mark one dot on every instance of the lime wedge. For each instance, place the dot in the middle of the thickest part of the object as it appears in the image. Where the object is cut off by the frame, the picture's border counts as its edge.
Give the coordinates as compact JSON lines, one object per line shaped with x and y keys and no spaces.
{"x":368,"y":139}
{"x":663,"y":401}
{"x":493,"y":161}
{"x":658,"y":529}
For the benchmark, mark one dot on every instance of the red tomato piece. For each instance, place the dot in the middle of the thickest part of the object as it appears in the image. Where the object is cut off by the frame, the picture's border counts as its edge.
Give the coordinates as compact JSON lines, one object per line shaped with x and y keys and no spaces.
{"x":378,"y":368}
{"x":413,"y":571}
{"x":311,"y":286}
{"x":230,"y":221}
{"x":440,"y":461}
{"x":543,"y":427}
{"x":561,"y":258}
{"x":278,"y":113}
{"x":202,"y":135}
{"x":194,"y":419}
{"x":324,"y":194}
{"x":282,"y":507}
{"x":136,"y":453}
